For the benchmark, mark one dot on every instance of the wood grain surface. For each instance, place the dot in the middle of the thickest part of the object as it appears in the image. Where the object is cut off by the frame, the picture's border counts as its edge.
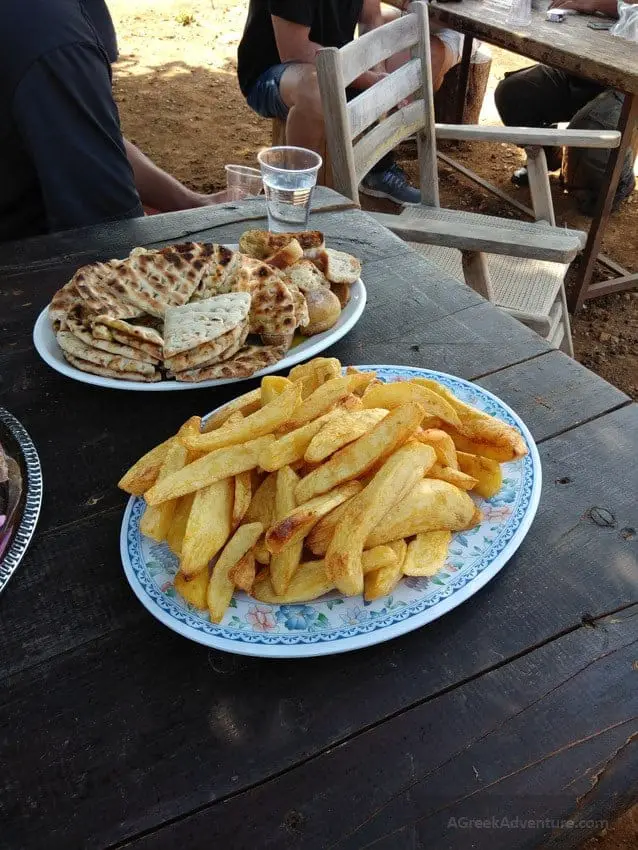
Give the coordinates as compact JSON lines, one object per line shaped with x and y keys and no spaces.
{"x":115,"y":732}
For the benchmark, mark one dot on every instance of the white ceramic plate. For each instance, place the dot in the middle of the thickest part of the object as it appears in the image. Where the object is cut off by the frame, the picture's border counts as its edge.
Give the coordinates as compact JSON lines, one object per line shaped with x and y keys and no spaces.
{"x":47,"y":347}
{"x":335,"y":623}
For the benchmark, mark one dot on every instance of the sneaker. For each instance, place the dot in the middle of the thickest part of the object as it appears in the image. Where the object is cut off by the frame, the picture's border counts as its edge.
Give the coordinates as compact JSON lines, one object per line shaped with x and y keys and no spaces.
{"x":520,"y":177}
{"x":392,"y":184}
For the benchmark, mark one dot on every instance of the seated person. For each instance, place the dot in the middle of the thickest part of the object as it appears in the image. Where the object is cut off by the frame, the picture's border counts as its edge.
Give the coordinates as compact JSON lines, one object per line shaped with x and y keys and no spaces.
{"x":541,"y":96}
{"x":63,"y":161}
{"x":276,"y":69}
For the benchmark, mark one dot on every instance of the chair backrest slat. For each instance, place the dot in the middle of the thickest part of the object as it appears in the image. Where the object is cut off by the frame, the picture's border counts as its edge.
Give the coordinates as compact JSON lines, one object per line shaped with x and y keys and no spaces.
{"x":426,"y":138}
{"x":378,"y":99}
{"x":386,"y":136}
{"x":377,"y":46}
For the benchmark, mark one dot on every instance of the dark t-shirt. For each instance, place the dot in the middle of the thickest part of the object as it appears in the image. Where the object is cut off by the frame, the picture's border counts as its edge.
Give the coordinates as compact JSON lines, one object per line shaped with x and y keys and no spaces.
{"x":62,"y":157}
{"x":332,"y":24}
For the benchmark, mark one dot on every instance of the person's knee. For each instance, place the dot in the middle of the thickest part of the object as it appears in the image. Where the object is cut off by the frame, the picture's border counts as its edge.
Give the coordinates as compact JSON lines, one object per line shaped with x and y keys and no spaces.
{"x":301,"y":91}
{"x":507,"y":97}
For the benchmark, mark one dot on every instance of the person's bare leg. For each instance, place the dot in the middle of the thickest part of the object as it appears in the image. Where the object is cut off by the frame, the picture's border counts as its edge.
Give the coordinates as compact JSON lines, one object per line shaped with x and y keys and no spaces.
{"x":442,"y":59}
{"x":300,"y":92}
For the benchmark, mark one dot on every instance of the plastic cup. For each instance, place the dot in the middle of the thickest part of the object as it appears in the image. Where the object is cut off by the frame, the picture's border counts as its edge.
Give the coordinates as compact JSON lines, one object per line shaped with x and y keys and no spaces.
{"x":243,"y":179}
{"x":289,"y":175}
{"x":520,"y":14}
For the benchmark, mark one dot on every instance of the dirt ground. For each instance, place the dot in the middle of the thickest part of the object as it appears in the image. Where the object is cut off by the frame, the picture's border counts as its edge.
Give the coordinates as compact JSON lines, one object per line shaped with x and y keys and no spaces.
{"x":179,"y":101}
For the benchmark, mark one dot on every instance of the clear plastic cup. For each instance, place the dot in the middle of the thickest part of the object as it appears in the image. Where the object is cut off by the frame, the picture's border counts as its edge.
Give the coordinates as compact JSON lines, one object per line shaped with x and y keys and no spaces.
{"x":520,"y":14}
{"x":244,"y":179}
{"x":289,"y":175}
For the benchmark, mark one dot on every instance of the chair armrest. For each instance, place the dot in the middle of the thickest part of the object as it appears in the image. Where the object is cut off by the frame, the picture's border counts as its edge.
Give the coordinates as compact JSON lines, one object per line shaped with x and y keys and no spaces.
{"x":527,"y":136}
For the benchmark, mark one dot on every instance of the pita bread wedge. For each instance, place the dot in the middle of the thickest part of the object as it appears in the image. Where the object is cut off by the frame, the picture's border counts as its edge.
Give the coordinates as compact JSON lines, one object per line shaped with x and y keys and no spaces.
{"x":61,"y":303}
{"x":136,"y":335}
{"x":336,"y":266}
{"x":262,"y":243}
{"x":74,"y":325}
{"x":245,"y":363}
{"x":104,"y":372}
{"x":306,"y":276}
{"x":70,"y":344}
{"x":223,"y":348}
{"x":217,"y":273}
{"x":193,"y":325}
{"x":88,"y":288}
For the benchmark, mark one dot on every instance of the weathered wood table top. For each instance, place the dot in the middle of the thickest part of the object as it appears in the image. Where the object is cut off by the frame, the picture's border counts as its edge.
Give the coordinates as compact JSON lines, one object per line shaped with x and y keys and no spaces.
{"x":571,"y":46}
{"x":522,"y":703}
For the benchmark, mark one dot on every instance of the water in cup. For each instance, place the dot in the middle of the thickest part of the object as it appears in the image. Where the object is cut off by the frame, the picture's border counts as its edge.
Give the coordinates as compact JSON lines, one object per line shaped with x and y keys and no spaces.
{"x":289,"y":176}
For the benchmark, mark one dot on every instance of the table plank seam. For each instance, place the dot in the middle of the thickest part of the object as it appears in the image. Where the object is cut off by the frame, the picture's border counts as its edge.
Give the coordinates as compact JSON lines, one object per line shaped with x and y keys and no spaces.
{"x":620,"y":406}
{"x":121,"y":845}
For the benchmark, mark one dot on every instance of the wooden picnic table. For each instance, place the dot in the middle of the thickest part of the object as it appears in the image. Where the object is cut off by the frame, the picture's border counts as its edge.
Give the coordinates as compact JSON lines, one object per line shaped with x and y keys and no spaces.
{"x":575,"y":48}
{"x":521,"y":703}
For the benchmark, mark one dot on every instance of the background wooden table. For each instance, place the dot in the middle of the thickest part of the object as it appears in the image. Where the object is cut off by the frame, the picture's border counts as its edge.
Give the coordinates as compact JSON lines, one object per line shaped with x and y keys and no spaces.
{"x":522,"y":703}
{"x":575,"y":48}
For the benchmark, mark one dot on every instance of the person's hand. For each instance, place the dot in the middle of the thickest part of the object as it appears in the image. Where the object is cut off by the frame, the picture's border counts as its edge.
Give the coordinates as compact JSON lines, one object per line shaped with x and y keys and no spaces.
{"x":588,"y":7}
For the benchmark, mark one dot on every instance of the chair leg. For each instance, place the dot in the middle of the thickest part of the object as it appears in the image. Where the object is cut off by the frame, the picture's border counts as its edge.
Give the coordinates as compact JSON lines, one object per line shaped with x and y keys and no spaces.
{"x":539,"y":187}
{"x":477,"y":273}
{"x":566,"y":346}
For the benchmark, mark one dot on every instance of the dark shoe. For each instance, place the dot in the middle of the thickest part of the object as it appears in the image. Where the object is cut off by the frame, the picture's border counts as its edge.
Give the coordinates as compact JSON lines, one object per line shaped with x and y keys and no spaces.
{"x":520,"y":177}
{"x":392,"y":184}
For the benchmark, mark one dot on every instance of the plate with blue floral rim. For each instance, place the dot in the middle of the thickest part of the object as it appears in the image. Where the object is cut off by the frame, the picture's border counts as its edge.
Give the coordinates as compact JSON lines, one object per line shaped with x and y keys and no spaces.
{"x":334,"y":623}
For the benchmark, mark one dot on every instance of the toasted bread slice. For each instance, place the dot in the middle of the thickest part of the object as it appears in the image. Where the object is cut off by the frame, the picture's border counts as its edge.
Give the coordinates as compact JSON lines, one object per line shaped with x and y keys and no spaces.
{"x":336,"y":266}
{"x":306,"y":276}
{"x":261,"y":244}
{"x":286,"y":256}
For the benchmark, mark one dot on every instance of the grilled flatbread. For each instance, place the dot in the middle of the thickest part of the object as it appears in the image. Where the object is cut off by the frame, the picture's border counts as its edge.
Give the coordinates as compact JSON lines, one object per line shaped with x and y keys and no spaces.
{"x":301,"y":307}
{"x":217,"y":273}
{"x":70,"y":344}
{"x":193,"y":325}
{"x":145,"y":338}
{"x":223,"y":348}
{"x":261,"y":244}
{"x":74,"y":325}
{"x":105,"y":372}
{"x":245,"y":363}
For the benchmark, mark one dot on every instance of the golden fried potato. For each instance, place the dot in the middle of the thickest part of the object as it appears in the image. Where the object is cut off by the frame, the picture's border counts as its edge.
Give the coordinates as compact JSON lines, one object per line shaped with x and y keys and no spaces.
{"x":487,"y":473}
{"x":208,"y":526}
{"x":258,"y":424}
{"x":143,"y":474}
{"x":351,"y":403}
{"x":262,"y":505}
{"x":243,"y":573}
{"x":452,"y":476}
{"x":157,"y":520}
{"x":290,"y":448}
{"x":272,"y":386}
{"x":193,"y":588}
{"x":243,"y":497}
{"x":498,"y":453}
{"x":381,"y":582}
{"x":398,"y":475}
{"x":177,"y":530}
{"x":322,"y":400}
{"x":392,"y":395}
{"x":442,"y":444}
{"x":427,"y":553}
{"x":262,"y":555}
{"x":321,"y":535}
{"x":215,"y":466}
{"x":430,"y":506}
{"x":283,"y":564}
{"x":246,"y":404}
{"x":293,"y":526}
{"x":357,"y":458}
{"x":316,"y":372}
{"x":311,"y":580}
{"x":220,"y":586}
{"x":342,"y":430}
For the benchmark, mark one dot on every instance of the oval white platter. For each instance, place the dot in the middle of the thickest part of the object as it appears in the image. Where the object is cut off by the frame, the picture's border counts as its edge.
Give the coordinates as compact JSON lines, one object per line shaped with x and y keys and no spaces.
{"x":333,"y":623}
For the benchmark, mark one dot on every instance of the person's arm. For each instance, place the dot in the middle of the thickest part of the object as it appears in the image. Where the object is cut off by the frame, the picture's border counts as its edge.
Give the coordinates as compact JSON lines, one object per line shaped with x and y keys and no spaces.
{"x":589,"y":7}
{"x":160,"y":190}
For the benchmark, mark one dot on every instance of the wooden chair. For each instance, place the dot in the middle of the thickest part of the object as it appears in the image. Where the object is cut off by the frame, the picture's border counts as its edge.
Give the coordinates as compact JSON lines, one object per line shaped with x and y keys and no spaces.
{"x":527,"y":282}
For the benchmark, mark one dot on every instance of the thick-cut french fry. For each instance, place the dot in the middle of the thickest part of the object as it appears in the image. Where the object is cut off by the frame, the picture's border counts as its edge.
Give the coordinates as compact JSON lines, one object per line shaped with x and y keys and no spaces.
{"x":499,"y":453}
{"x":156,"y":520}
{"x":315,"y":373}
{"x":351,"y":403}
{"x":175,"y":535}
{"x":262,"y":505}
{"x":381,"y":582}
{"x":143,"y":474}
{"x":487,"y":472}
{"x":452,"y":476}
{"x":392,"y":395}
{"x":233,"y":419}
{"x":262,"y":555}
{"x":311,"y":580}
{"x":430,"y":506}
{"x":342,"y":430}
{"x":262,"y":422}
{"x":193,"y":589}
{"x":363,"y":386}
{"x":480,"y":428}
{"x":208,"y":526}
{"x":243,"y":573}
{"x":291,"y":447}
{"x":442,"y":444}
{"x":284,"y":564}
{"x":427,"y":553}
{"x":215,"y":466}
{"x":247,"y":403}
{"x":220,"y":586}
{"x":398,"y":475}
{"x":357,"y":458}
{"x":321,"y":535}
{"x":272,"y":386}
{"x":296,"y":524}
{"x":242,"y":499}
{"x":324,"y":398}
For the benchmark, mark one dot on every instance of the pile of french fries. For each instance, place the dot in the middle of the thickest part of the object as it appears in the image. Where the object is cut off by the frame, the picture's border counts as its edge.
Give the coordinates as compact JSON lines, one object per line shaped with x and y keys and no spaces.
{"x":318,"y":481}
